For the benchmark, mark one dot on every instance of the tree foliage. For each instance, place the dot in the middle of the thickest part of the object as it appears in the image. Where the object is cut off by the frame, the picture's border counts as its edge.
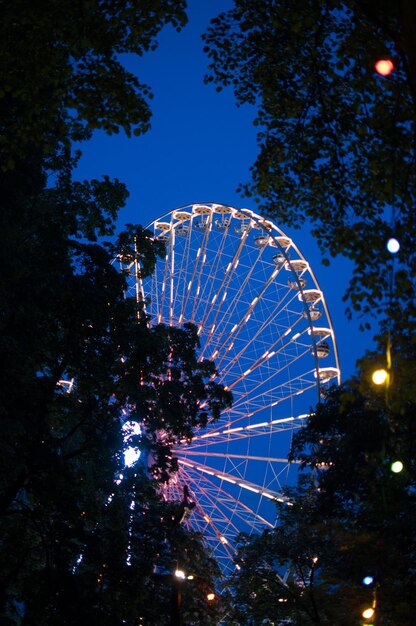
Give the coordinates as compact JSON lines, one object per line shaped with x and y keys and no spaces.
{"x":79,"y":543}
{"x":350,"y":515}
{"x":337,"y":140}
{"x":78,"y":358}
{"x":62,"y":71}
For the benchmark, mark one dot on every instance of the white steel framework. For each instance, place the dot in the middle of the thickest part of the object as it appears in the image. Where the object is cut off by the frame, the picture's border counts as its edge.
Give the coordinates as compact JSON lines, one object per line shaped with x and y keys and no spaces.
{"x":263,"y":320}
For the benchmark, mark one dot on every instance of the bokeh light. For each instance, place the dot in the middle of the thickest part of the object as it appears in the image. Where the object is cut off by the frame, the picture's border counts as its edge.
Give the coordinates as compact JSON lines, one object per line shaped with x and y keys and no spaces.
{"x":131,"y":453}
{"x":368,"y":613}
{"x":379,"y":377}
{"x":396,"y":467}
{"x":393,"y":245}
{"x":384,"y":67}
{"x":368,"y":580}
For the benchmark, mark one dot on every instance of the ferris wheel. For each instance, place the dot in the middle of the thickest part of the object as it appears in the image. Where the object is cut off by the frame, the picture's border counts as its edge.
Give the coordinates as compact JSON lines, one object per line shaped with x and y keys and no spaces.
{"x":263,"y":320}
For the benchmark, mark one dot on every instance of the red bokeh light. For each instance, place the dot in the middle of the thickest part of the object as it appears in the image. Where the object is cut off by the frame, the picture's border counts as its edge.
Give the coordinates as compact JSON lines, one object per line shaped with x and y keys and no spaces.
{"x":384,"y":67}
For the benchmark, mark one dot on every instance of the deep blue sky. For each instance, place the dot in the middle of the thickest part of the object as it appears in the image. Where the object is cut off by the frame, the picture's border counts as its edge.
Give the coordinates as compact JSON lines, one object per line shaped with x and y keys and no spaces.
{"x":200,"y":147}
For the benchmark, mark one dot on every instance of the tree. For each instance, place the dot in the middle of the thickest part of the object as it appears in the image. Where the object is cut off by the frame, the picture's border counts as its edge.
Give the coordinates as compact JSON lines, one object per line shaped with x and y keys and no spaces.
{"x":61,"y":451}
{"x":350,"y":515}
{"x":337,"y":140}
{"x":79,"y":356}
{"x":285,"y":576}
{"x":63,"y":75}
{"x":337,"y":152}
{"x":352,"y":441}
{"x":121,"y":570}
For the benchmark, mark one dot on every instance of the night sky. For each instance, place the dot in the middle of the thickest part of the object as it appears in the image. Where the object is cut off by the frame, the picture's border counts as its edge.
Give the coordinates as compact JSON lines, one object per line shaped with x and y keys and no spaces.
{"x":200,"y":147}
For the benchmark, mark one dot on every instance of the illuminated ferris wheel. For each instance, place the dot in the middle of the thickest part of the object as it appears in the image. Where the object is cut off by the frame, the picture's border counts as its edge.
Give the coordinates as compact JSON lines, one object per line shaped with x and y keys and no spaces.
{"x":262,"y":319}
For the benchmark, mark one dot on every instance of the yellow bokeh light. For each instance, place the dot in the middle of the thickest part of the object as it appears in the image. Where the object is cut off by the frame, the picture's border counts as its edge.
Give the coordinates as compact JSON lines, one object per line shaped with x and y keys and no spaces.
{"x":368,"y":613}
{"x":379,"y":377}
{"x":396,"y":467}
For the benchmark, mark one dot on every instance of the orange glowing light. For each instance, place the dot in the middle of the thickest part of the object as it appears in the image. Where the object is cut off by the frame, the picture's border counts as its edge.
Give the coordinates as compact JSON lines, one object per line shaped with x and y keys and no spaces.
{"x":384,"y":67}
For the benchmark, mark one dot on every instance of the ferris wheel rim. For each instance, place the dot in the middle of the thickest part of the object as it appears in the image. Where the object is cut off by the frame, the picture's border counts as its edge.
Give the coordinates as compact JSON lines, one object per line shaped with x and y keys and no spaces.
{"x":192,"y":469}
{"x":252,"y":215}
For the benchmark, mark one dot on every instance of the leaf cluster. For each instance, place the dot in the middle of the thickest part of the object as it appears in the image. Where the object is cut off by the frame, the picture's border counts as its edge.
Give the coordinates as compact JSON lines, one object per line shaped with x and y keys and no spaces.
{"x":349,"y":516}
{"x":336,"y":139}
{"x":62,"y":71}
{"x":79,"y":358}
{"x":77,"y":542}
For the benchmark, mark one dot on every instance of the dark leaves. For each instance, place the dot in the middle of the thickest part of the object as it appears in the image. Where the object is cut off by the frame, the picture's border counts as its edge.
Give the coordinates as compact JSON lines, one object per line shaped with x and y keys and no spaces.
{"x":336,"y":140}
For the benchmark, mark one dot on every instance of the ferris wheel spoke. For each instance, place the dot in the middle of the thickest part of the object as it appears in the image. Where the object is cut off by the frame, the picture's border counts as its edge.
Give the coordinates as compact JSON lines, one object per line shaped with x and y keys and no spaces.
{"x":184,"y":226}
{"x":220,"y":529}
{"x":197,"y":268}
{"x":165,"y":310}
{"x":247,"y":457}
{"x":216,"y":502}
{"x":214,"y":512}
{"x":225,"y":339}
{"x":230,"y":309}
{"x":226,"y":435}
{"x":262,"y":373}
{"x":209,"y":295}
{"x":164,"y":280}
{"x":274,"y":351}
{"x":226,"y":280}
{"x":209,"y":510}
{"x":237,"y":467}
{"x":299,"y":386}
{"x":266,"y":375}
{"x":235,"y":480}
{"x":200,"y":272}
{"x":171,"y":278}
{"x":226,"y":365}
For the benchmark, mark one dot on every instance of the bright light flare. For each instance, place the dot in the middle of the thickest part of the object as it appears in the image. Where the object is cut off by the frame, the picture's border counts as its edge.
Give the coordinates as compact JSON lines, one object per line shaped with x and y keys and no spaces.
{"x":131,"y":454}
{"x":379,"y":377}
{"x":368,"y":613}
{"x":396,"y":467}
{"x":384,"y":67}
{"x":210,"y":596}
{"x":180,"y":574}
{"x":393,"y":246}
{"x":368,"y":580}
